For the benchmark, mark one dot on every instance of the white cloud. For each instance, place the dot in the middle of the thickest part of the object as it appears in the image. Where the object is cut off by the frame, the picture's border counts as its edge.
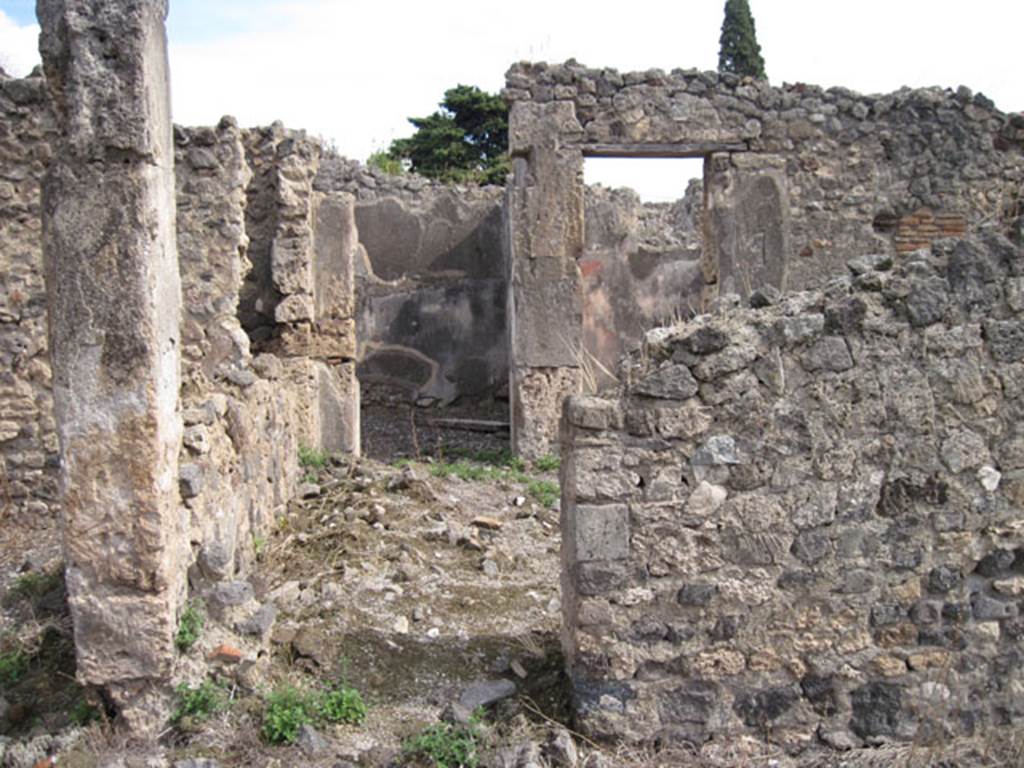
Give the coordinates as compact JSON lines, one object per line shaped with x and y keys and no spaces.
{"x":18,"y":46}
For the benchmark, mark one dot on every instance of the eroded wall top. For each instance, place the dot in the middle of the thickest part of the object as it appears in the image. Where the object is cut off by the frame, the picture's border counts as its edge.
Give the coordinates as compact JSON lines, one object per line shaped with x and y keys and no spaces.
{"x":862,"y":172}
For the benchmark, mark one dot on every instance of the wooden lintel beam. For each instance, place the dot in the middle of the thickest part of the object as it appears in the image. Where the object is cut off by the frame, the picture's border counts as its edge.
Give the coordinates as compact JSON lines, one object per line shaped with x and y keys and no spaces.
{"x":698,"y":149}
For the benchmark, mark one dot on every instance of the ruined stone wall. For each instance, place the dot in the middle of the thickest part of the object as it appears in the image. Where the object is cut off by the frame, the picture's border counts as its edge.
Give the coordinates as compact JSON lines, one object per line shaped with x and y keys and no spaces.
{"x":298,"y":300}
{"x":803,"y":522}
{"x":432,"y":283}
{"x":239,"y":459}
{"x":640,"y":268}
{"x":28,"y":440}
{"x":855,"y":168}
{"x":232,"y":200}
{"x":797,"y":179}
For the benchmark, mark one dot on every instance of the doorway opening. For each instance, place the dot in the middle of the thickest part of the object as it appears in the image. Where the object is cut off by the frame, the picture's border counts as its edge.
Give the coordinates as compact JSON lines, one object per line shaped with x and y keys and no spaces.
{"x":642,"y":258}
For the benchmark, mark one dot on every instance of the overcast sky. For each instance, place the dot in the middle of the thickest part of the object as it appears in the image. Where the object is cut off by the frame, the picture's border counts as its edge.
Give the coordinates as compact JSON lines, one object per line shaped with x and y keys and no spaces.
{"x":353,"y":70}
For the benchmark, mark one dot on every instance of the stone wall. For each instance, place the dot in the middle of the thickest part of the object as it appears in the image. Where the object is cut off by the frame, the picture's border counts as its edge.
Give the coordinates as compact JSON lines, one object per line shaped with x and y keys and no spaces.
{"x":640,"y":268}
{"x":28,"y":440}
{"x":232,"y":200}
{"x":239,"y":459}
{"x":797,"y":180}
{"x":803,"y":522}
{"x":432,"y":283}
{"x":244,"y":417}
{"x":298,"y":300}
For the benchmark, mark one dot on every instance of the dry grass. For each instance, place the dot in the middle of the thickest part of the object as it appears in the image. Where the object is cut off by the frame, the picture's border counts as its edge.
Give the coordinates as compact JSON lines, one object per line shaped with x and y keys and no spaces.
{"x":590,"y":367}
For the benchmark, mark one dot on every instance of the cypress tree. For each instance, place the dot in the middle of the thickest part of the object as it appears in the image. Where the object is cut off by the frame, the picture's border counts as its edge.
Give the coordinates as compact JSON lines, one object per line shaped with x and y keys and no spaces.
{"x":739,"y":52}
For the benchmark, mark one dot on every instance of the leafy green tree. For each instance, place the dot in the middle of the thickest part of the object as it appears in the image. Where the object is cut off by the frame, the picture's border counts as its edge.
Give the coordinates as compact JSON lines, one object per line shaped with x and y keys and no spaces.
{"x":465,"y":141}
{"x":739,"y":52}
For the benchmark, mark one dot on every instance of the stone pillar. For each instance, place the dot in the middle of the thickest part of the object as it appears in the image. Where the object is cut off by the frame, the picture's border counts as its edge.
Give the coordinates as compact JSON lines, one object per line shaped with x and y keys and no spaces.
{"x":114,"y":301}
{"x":320,"y":353}
{"x":545,"y":296}
{"x":335,"y":240}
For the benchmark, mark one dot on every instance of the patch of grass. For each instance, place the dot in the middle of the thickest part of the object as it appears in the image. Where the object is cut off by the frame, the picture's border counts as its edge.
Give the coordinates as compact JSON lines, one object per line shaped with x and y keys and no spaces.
{"x":502,"y":466}
{"x":467,"y":470}
{"x":199,"y":703}
{"x":382,"y":161}
{"x":190,"y":626}
{"x":547,"y":463}
{"x":496,"y":457}
{"x":311,"y":458}
{"x":446,"y":745}
{"x":544,"y":491}
{"x":288,"y":708}
{"x":13,"y":666}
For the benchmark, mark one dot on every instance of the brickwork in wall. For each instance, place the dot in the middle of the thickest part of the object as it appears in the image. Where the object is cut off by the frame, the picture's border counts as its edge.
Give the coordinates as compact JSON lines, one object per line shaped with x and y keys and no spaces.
{"x":919,"y":229}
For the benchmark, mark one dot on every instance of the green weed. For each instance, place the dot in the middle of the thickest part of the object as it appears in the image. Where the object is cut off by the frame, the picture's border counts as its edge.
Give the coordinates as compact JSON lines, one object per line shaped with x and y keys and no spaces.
{"x":382,"y":161}
{"x":342,"y":704}
{"x":33,"y":587}
{"x":83,"y":713}
{"x":548,"y":463}
{"x":259,"y":543}
{"x":190,"y":626}
{"x":199,"y":703}
{"x":311,"y":458}
{"x":13,"y":666}
{"x":545,"y":492}
{"x":287,"y":710}
{"x":447,"y":745}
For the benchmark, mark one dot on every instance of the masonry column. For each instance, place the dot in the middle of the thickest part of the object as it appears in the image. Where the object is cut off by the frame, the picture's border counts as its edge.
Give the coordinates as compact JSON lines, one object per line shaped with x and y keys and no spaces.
{"x":114,"y":305}
{"x":545,"y":297}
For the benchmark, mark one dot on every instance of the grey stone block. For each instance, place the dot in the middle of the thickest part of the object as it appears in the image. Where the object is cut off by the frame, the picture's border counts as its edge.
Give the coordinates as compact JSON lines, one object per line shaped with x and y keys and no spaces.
{"x":602,"y":532}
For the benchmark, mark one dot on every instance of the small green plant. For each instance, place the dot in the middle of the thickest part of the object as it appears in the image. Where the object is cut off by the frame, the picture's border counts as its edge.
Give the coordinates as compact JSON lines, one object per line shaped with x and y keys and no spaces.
{"x":287,"y":710}
{"x":13,"y":666}
{"x":382,"y":161}
{"x":311,"y":458}
{"x":544,"y":491}
{"x":33,"y":586}
{"x":190,"y":626}
{"x":342,"y":704}
{"x":447,"y":745}
{"x":259,"y":543}
{"x":199,"y":703}
{"x":547,"y":463}
{"x":83,"y":713}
